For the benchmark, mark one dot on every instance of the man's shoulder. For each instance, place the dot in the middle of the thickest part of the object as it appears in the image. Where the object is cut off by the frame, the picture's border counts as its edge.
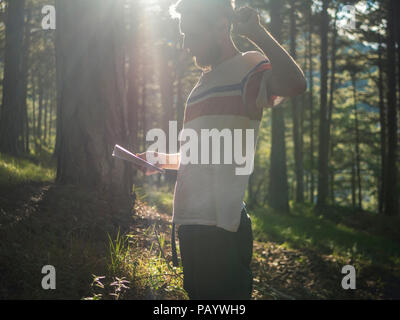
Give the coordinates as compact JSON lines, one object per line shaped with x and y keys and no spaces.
{"x":253,"y":57}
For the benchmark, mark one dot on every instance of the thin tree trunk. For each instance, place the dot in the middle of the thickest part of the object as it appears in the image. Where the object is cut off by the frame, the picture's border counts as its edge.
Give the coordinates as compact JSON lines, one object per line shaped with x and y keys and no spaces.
{"x":391,"y":193}
{"x":311,"y":95}
{"x":38,"y":141}
{"x":46,"y":106}
{"x":24,"y":79}
{"x":353,"y":182}
{"x":323,"y":149}
{"x":144,"y":105}
{"x":330,"y":108}
{"x":383,"y":132}
{"x":133,"y":95}
{"x":33,"y":107}
{"x":50,"y":123}
{"x":296,"y":116}
{"x":277,"y":196}
{"x":12,"y":115}
{"x":397,"y":29}
{"x":357,"y":145}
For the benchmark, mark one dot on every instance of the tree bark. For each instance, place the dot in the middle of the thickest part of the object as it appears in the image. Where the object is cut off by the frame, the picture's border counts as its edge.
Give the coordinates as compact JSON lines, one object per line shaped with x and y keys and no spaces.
{"x":323,"y":149}
{"x":299,"y":171}
{"x":391,"y":194}
{"x":12,"y":115}
{"x":330,"y":108}
{"x":50,"y":124}
{"x":133,"y":94}
{"x":38,"y":140}
{"x":357,"y":144}
{"x":311,"y":95}
{"x":46,"y":106}
{"x":383,"y":132}
{"x":91,"y":96}
{"x":33,"y":107}
{"x":277,"y":196}
{"x":24,"y":80}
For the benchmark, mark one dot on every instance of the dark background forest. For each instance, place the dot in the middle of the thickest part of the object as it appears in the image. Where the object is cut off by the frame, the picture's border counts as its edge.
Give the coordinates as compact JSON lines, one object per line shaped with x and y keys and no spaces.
{"x":325,"y":188}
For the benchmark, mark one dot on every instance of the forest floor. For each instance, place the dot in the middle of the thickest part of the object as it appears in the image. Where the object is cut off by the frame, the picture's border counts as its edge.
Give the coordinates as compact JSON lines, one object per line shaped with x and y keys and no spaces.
{"x":103,"y":252}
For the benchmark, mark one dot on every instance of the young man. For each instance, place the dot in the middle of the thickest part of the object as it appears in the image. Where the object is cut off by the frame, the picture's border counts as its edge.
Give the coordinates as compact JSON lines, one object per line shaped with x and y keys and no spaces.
{"x":214,"y":232}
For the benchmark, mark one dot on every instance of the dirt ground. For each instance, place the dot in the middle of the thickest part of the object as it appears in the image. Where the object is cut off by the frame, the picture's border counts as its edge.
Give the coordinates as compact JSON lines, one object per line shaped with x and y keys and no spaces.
{"x":279,"y":273}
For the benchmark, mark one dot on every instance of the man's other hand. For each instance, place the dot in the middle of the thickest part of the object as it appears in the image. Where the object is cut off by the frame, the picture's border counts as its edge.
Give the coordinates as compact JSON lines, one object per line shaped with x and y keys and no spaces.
{"x":145,"y":170}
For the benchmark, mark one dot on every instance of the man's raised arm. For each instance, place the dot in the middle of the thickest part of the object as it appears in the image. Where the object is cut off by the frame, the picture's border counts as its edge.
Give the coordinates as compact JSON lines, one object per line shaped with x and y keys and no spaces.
{"x":287,"y":79}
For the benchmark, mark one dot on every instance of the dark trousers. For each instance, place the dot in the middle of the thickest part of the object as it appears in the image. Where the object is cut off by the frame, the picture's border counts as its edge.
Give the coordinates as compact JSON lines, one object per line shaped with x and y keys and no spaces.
{"x":216,"y":262}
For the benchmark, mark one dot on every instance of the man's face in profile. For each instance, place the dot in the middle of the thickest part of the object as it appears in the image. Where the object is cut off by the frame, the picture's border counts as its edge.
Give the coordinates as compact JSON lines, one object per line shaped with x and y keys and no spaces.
{"x":200,"y":39}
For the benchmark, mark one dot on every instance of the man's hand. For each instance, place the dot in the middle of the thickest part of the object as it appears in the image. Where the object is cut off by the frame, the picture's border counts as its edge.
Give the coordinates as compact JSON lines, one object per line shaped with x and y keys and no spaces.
{"x":145,"y":170}
{"x":246,"y":22}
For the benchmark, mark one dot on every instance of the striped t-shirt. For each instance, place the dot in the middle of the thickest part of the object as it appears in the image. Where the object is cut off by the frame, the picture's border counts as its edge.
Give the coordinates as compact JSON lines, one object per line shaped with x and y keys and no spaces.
{"x":229,"y":97}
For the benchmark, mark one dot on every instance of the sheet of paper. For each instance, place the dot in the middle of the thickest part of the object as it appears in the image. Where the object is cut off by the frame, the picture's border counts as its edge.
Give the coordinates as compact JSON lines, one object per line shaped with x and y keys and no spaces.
{"x":126,"y":155}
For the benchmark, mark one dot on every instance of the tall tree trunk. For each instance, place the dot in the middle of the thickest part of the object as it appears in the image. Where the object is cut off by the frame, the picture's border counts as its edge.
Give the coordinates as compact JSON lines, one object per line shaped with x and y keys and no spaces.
{"x":330,"y":108}
{"x":180,"y":104}
{"x":332,"y":183}
{"x":311,"y":95}
{"x":167,"y":78}
{"x":357,"y":145}
{"x":353,"y":182}
{"x":24,"y":80}
{"x":397,"y":31}
{"x":144,"y":105}
{"x":323,"y":149}
{"x":38,"y":141}
{"x":46,"y":106}
{"x":296,"y":115}
{"x":383,"y":132}
{"x":50,"y":124}
{"x":33,"y":107}
{"x":12,"y":116}
{"x":133,"y":95}
{"x":391,"y":194}
{"x":91,"y":96}
{"x":277,"y":196}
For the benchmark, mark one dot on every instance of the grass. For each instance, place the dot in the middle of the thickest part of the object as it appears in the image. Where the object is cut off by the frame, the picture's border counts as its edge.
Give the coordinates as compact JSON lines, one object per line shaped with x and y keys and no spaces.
{"x":97,"y":257}
{"x":138,"y":272}
{"x":161,"y":198}
{"x":340,"y":232}
{"x":16,"y":170}
{"x":305,"y":229}
{"x":78,"y":232}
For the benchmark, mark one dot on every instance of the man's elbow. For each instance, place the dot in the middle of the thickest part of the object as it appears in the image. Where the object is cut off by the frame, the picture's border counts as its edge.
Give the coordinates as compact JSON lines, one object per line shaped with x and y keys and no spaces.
{"x":298,"y":87}
{"x":288,"y":86}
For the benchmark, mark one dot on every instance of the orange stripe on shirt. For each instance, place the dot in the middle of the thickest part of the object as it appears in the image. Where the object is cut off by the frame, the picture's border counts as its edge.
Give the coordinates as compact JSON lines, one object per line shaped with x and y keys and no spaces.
{"x":227,"y":105}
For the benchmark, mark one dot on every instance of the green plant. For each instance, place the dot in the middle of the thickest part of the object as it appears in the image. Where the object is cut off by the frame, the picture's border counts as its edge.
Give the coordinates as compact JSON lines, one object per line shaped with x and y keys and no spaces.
{"x":119,"y":250}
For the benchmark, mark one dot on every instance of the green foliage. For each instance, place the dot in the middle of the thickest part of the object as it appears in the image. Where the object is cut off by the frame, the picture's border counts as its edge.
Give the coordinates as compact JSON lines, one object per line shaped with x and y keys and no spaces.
{"x":307,"y":229}
{"x":16,"y":170}
{"x":161,"y":198}
{"x":119,"y":249}
{"x":146,"y":269}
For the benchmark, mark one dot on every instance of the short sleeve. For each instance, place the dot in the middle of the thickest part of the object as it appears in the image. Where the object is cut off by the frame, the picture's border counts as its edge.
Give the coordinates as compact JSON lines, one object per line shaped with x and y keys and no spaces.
{"x":256,"y":90}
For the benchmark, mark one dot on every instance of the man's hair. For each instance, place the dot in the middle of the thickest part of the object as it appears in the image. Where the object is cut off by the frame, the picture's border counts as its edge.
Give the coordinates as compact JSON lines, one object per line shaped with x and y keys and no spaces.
{"x":224,"y":8}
